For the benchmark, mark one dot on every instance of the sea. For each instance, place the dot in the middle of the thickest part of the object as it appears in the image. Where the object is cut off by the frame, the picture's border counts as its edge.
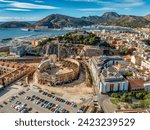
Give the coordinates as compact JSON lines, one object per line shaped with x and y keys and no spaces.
{"x":17,"y":32}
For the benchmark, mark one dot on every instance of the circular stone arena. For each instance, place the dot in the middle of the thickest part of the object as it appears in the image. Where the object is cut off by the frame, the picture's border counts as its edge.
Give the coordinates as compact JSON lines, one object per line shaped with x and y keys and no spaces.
{"x":58,"y":73}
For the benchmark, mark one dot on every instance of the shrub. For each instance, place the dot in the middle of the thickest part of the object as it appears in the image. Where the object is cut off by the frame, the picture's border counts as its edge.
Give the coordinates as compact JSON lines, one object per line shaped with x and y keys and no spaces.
{"x":139,"y":95}
{"x":142,"y":104}
{"x":147,"y":96}
{"x":145,"y":103}
{"x":126,"y":97}
{"x":128,"y":74}
{"x":134,"y":106}
{"x":115,"y":95}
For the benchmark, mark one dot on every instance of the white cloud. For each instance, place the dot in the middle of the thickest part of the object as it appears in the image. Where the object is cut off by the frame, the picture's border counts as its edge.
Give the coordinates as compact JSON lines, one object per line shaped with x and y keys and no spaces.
{"x":128,"y":3}
{"x":25,"y":5}
{"x":30,"y":6}
{"x":97,"y":9}
{"x":17,"y":9}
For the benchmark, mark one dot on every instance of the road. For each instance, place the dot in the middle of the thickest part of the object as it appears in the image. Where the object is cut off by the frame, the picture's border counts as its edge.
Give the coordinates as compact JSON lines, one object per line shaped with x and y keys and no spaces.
{"x":103,"y":99}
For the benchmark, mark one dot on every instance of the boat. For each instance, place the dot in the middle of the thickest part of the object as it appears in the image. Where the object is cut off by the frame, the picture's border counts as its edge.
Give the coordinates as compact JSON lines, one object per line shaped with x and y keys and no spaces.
{"x":25,"y":29}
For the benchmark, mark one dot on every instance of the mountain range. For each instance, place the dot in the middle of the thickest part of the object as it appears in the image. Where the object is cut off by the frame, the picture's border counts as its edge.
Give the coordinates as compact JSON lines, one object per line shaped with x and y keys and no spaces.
{"x":108,"y":18}
{"x":114,"y":19}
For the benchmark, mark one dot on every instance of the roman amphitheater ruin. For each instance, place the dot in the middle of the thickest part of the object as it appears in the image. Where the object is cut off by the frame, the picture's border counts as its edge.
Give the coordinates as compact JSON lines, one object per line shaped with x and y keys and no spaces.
{"x":57,"y":73}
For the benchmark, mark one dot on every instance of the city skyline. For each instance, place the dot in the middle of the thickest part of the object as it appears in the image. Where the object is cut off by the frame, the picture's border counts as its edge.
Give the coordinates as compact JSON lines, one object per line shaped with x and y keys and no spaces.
{"x":32,"y":10}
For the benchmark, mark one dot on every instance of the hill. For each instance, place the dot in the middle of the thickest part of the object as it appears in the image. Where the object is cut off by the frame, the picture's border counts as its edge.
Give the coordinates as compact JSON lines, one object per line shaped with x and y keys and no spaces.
{"x":130,"y":21}
{"x":15,"y":24}
{"x":106,"y":17}
{"x":80,"y":37}
{"x":147,"y":17}
{"x":60,"y":21}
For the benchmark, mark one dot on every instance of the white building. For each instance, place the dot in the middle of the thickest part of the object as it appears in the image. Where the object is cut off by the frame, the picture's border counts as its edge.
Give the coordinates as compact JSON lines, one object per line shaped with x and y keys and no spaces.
{"x":112,"y":81}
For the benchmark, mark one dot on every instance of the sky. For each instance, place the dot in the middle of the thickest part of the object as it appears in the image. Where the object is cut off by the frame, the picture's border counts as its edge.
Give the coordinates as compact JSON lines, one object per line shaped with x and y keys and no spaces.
{"x":33,"y":10}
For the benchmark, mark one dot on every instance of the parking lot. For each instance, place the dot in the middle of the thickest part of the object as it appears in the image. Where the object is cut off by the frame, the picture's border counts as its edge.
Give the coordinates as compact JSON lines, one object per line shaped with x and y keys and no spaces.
{"x":33,"y":100}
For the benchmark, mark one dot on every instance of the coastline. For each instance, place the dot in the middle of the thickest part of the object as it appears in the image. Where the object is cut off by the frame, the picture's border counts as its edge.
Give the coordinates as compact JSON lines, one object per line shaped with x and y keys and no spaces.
{"x":17,"y":33}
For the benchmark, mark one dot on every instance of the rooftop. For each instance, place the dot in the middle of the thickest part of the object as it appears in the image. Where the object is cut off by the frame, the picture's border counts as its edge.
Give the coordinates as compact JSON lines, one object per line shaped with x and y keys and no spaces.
{"x":136,"y":83}
{"x":100,"y":61}
{"x":111,"y":75}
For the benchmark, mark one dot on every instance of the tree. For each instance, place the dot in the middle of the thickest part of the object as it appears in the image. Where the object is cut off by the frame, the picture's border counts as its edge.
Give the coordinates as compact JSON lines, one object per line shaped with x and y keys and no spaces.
{"x":139,"y":95}
{"x":147,"y":96}
{"x":142,"y":104}
{"x":128,"y":74}
{"x":91,"y":40}
{"x":86,"y":41}
{"x":126,"y":97}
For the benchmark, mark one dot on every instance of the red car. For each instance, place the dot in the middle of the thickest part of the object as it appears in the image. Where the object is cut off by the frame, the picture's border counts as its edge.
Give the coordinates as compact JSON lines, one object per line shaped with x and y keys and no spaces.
{"x":68,"y":103}
{"x":53,"y":109}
